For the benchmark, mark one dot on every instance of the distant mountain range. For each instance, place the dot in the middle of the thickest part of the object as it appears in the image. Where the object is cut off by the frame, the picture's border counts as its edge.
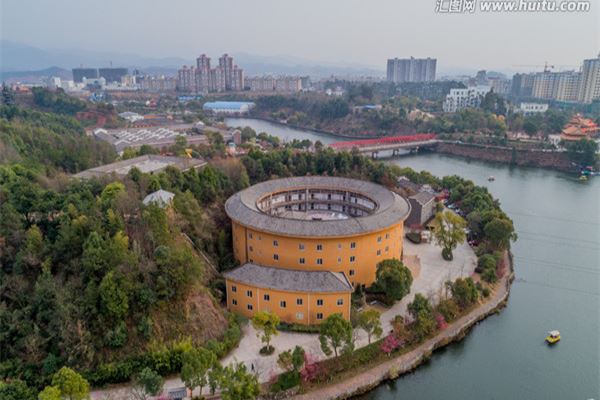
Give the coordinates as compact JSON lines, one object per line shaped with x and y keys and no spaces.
{"x":23,"y":61}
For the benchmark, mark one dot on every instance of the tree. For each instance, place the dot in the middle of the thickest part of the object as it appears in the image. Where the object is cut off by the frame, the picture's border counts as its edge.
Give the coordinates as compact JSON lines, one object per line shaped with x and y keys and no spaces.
{"x":238,"y":384}
{"x":72,"y":386}
{"x":147,"y":383}
{"x":49,"y":393}
{"x":530,"y":127}
{"x":390,"y":343}
{"x":115,"y":301}
{"x":336,"y":333}
{"x":291,"y":360}
{"x":499,"y":232}
{"x":266,"y":323}
{"x":449,"y":232}
{"x":15,"y":390}
{"x":369,"y":321}
{"x":393,"y":278}
{"x":424,"y":321}
{"x":196,"y":364}
{"x":464,"y":292}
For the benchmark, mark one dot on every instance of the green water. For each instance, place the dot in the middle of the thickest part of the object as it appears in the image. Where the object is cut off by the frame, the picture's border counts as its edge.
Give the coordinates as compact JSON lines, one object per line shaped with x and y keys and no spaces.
{"x":557,"y":286}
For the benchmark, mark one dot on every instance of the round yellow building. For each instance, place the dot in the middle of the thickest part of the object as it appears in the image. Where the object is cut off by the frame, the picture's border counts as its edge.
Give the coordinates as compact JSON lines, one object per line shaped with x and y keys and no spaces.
{"x":305,"y":230}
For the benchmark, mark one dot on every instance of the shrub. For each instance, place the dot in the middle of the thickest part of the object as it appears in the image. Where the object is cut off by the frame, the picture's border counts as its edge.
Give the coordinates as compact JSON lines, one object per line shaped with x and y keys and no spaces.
{"x":286,"y":381}
{"x":449,"y":309}
{"x":486,"y":261}
{"x":464,"y":292}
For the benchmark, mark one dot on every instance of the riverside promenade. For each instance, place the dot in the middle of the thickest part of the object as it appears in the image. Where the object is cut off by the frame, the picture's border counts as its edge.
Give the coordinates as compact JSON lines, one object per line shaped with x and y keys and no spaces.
{"x":373,"y":376}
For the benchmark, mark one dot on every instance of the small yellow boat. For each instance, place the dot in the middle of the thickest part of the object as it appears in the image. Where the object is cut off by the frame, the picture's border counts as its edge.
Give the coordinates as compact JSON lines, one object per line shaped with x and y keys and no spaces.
{"x":553,"y":337}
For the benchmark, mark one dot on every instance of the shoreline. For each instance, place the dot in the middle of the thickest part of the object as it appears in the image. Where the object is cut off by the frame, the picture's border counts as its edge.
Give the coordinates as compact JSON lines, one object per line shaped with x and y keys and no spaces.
{"x":394,"y":368}
{"x":481,"y":152}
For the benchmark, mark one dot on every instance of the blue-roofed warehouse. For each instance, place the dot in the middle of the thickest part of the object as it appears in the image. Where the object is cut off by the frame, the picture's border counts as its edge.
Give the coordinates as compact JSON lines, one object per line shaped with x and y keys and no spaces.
{"x":228,"y":107}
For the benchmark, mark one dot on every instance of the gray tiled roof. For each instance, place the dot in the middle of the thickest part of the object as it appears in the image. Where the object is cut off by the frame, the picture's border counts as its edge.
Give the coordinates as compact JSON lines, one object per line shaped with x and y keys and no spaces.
{"x":289,"y":280}
{"x":423,"y":197}
{"x":392,"y":208}
{"x":147,"y":163}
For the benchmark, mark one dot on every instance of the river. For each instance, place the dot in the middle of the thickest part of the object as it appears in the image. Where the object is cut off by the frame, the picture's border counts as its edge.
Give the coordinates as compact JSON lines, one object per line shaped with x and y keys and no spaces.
{"x":557,"y":286}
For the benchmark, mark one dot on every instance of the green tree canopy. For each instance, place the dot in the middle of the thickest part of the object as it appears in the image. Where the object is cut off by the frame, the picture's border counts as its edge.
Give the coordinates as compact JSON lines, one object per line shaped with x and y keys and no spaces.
{"x":449,"y":232}
{"x":393,"y":278}
{"x":147,"y":383}
{"x":335,"y":334}
{"x":238,"y":384}
{"x":72,"y":386}
{"x":196,"y":364}
{"x":266,"y":324}
{"x":369,"y":321}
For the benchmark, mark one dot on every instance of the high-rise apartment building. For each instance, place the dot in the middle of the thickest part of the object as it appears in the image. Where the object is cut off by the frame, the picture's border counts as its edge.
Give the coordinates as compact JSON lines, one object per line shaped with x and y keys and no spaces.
{"x":589,"y":84}
{"x":560,"y":86}
{"x":411,"y":70}
{"x":203,"y":79}
{"x":522,"y":85}
{"x":80,"y":73}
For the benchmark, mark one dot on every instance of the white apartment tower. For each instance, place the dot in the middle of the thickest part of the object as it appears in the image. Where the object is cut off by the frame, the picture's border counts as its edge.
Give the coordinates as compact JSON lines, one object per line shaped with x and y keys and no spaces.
{"x":589,"y":84}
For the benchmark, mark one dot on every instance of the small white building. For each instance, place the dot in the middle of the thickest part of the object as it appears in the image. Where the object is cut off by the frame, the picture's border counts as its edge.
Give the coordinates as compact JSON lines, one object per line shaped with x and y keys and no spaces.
{"x":459,"y":99}
{"x":532,"y":108}
{"x":161,"y":198}
{"x":131,"y":116}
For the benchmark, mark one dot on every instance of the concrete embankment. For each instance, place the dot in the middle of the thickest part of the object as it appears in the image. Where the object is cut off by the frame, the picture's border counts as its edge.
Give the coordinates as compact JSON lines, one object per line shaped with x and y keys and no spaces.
{"x":508,"y":155}
{"x":456,"y":331}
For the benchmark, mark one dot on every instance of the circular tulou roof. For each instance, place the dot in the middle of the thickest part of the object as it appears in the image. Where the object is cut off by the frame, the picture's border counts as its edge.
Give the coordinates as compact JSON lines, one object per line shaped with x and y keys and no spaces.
{"x":391,"y":208}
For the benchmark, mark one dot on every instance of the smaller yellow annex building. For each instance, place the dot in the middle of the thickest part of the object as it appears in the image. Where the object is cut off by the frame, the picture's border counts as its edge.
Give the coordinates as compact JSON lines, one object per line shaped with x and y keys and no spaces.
{"x":304,"y":243}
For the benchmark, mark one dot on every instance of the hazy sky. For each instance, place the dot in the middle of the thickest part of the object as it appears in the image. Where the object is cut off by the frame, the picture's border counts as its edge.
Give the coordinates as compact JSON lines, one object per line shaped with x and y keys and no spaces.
{"x":337,"y":31}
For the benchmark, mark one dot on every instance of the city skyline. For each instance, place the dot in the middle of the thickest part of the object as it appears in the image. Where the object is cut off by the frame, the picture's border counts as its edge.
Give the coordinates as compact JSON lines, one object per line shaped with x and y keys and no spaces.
{"x":334,"y":33}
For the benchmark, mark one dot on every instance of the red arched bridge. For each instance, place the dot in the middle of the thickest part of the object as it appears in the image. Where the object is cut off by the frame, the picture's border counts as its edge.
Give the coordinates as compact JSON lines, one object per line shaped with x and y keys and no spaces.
{"x":393,"y":143}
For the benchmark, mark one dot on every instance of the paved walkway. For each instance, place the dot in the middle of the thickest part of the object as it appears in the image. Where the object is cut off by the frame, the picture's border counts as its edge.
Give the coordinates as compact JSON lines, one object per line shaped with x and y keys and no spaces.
{"x":434,"y":272}
{"x":371,"y":377}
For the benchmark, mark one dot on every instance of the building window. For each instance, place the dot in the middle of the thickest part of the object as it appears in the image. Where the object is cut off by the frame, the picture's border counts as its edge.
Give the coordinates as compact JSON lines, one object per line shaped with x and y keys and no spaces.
{"x":339,"y":260}
{"x":299,"y":315}
{"x":298,"y":302}
{"x":250,"y":235}
{"x":302,"y":261}
{"x":267,"y":297}
{"x":301,"y":246}
{"x":319,"y":261}
{"x":378,"y":239}
{"x":352,"y":258}
{"x":249,"y":293}
{"x":250,"y":307}
{"x":259,"y":237}
{"x":319,"y":315}
{"x":387,"y":248}
{"x":340,"y":302}
{"x":319,"y":302}
{"x":234,"y":288}
{"x":387,"y":235}
{"x":353,"y":245}
{"x":234,"y":302}
{"x":379,"y":252}
{"x":351,"y":272}
{"x":339,"y":245}
{"x":275,"y":243}
{"x":250,"y":248}
{"x":319,"y":247}
{"x":275,"y":257}
{"x":282,"y":304}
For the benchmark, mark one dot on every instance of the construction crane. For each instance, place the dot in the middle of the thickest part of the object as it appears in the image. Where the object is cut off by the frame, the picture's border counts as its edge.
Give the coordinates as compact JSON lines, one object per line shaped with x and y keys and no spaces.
{"x":547,"y":67}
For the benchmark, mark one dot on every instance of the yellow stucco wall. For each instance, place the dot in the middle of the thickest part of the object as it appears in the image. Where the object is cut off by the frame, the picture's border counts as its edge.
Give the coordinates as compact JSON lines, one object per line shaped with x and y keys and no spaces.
{"x":307,"y":313}
{"x":335,"y":254}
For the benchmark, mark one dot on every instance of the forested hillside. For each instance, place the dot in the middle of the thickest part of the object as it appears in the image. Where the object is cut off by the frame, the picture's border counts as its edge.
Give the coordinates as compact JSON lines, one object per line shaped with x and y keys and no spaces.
{"x":89,"y":276}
